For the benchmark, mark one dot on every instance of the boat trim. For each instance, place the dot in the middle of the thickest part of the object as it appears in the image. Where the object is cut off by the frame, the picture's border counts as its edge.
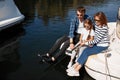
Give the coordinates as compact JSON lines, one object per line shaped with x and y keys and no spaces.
{"x":11,"y":22}
{"x":102,"y":72}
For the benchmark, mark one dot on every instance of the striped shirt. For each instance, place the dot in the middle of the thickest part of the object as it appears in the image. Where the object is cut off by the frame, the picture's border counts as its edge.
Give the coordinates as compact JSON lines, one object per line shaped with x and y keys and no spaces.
{"x":101,"y":36}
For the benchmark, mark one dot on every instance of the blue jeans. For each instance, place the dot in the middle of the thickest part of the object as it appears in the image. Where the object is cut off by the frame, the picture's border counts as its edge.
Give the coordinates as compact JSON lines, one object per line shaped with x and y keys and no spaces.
{"x":89,"y":51}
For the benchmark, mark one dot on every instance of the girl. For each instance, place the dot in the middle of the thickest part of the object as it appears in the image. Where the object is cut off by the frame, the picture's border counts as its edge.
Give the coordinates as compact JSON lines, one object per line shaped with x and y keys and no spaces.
{"x":100,"y":43}
{"x":87,"y":34}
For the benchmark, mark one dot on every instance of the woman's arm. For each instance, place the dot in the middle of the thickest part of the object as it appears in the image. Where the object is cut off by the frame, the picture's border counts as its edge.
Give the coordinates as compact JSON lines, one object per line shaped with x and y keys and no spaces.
{"x":100,"y":34}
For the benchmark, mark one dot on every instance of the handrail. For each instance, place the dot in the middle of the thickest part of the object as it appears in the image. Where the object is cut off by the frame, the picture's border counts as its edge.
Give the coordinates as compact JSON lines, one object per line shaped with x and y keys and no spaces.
{"x":118,"y":28}
{"x":118,"y":15}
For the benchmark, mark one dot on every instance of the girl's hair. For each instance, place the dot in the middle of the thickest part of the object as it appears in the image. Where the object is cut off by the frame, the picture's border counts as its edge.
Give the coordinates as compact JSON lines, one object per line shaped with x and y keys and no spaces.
{"x":102,"y":17}
{"x":88,"y":21}
{"x":81,"y":9}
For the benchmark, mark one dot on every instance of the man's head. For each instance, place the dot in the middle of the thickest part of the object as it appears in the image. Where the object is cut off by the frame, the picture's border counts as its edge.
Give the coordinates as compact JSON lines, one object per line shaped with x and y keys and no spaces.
{"x":81,"y":12}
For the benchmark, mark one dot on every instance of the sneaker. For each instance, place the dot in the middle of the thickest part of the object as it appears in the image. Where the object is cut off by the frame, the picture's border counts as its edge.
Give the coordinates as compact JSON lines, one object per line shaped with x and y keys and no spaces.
{"x":73,"y":73}
{"x":69,"y":69}
{"x":49,"y":60}
{"x":68,"y":52}
{"x":69,"y":65}
{"x":44,"y":56}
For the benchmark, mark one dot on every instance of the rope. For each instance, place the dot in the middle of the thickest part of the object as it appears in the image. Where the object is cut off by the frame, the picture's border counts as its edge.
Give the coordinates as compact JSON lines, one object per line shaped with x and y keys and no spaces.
{"x":102,"y":73}
{"x":107,"y":68}
{"x":76,"y":46}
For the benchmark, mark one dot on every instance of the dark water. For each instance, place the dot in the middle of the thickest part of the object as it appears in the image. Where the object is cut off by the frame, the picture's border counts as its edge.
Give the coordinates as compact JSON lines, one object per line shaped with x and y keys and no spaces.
{"x":45,"y":22}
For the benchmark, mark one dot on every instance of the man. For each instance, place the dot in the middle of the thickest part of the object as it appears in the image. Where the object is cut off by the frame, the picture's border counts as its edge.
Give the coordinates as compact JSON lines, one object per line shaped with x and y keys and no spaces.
{"x":75,"y":28}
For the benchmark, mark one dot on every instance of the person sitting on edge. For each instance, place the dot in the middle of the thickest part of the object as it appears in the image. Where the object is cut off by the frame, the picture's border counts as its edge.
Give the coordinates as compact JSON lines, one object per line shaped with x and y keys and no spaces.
{"x":75,"y":27}
{"x":87,"y":34}
{"x":100,"y":43}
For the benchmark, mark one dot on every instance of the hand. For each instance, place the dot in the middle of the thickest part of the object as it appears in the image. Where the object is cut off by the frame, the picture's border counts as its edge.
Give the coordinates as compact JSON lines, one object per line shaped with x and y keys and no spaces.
{"x":80,"y":41}
{"x":82,"y":44}
{"x":71,"y":46}
{"x":90,"y":45}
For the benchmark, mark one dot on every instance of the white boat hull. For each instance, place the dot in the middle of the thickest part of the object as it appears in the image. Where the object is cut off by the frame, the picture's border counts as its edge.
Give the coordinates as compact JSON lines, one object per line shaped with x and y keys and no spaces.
{"x":9,"y":14}
{"x":106,"y":65}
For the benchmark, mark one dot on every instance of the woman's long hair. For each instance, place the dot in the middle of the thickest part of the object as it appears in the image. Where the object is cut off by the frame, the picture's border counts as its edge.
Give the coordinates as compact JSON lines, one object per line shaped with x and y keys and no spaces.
{"x":102,"y":18}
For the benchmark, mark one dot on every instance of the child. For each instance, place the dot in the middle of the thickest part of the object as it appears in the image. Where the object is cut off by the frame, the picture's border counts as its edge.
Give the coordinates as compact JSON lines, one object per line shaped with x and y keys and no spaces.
{"x":87,"y":34}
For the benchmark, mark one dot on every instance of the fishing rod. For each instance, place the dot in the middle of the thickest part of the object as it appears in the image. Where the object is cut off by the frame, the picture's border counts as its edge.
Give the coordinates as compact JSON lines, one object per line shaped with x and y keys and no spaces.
{"x":76,"y":46}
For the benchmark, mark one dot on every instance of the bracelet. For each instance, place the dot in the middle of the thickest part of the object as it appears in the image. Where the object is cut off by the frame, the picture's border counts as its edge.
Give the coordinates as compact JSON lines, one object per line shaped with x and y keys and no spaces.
{"x":71,"y":42}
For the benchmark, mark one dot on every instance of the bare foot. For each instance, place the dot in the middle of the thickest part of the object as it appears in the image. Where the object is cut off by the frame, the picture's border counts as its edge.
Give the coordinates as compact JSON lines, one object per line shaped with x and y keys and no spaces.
{"x":53,"y":59}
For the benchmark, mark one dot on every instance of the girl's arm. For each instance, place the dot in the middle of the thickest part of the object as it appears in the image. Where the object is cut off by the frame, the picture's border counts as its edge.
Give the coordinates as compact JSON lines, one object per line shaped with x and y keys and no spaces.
{"x":91,"y":38}
{"x":80,"y":39}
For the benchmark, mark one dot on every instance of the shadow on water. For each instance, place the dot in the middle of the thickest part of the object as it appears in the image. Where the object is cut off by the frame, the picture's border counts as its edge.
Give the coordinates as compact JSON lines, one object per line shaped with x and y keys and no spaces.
{"x":57,"y":71}
{"x":9,"y":56}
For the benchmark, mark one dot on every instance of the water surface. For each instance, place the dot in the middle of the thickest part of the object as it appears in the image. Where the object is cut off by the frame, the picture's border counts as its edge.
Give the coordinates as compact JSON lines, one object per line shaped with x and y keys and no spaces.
{"x":45,"y":22}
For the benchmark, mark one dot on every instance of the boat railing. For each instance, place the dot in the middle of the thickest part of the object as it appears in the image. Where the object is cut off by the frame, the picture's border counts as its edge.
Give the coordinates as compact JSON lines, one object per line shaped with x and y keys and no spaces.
{"x":118,"y":29}
{"x":118,"y":15}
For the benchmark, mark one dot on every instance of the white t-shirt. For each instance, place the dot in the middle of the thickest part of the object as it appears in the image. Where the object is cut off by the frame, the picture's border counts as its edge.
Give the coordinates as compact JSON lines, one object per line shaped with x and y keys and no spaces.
{"x":86,"y":33}
{"x":80,"y":27}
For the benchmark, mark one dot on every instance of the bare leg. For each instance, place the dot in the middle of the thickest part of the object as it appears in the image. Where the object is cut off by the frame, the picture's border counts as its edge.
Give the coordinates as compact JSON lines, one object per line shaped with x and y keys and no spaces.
{"x":77,"y":66}
{"x":70,"y":63}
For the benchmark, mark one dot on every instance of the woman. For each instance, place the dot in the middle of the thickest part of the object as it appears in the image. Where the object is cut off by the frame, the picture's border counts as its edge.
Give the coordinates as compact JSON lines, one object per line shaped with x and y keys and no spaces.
{"x":100,"y":43}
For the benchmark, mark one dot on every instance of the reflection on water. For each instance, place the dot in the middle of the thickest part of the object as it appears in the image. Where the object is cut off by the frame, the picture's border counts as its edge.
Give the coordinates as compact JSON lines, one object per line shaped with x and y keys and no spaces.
{"x":45,"y":21}
{"x":47,"y":9}
{"x":9,"y":53}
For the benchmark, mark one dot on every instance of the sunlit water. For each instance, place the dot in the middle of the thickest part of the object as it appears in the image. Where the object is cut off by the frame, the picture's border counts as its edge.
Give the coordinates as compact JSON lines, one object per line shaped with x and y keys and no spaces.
{"x":45,"y":22}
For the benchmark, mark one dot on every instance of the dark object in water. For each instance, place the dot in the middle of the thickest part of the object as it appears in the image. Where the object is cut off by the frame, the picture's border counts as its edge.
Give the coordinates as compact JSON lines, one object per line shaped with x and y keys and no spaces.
{"x":46,"y":59}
